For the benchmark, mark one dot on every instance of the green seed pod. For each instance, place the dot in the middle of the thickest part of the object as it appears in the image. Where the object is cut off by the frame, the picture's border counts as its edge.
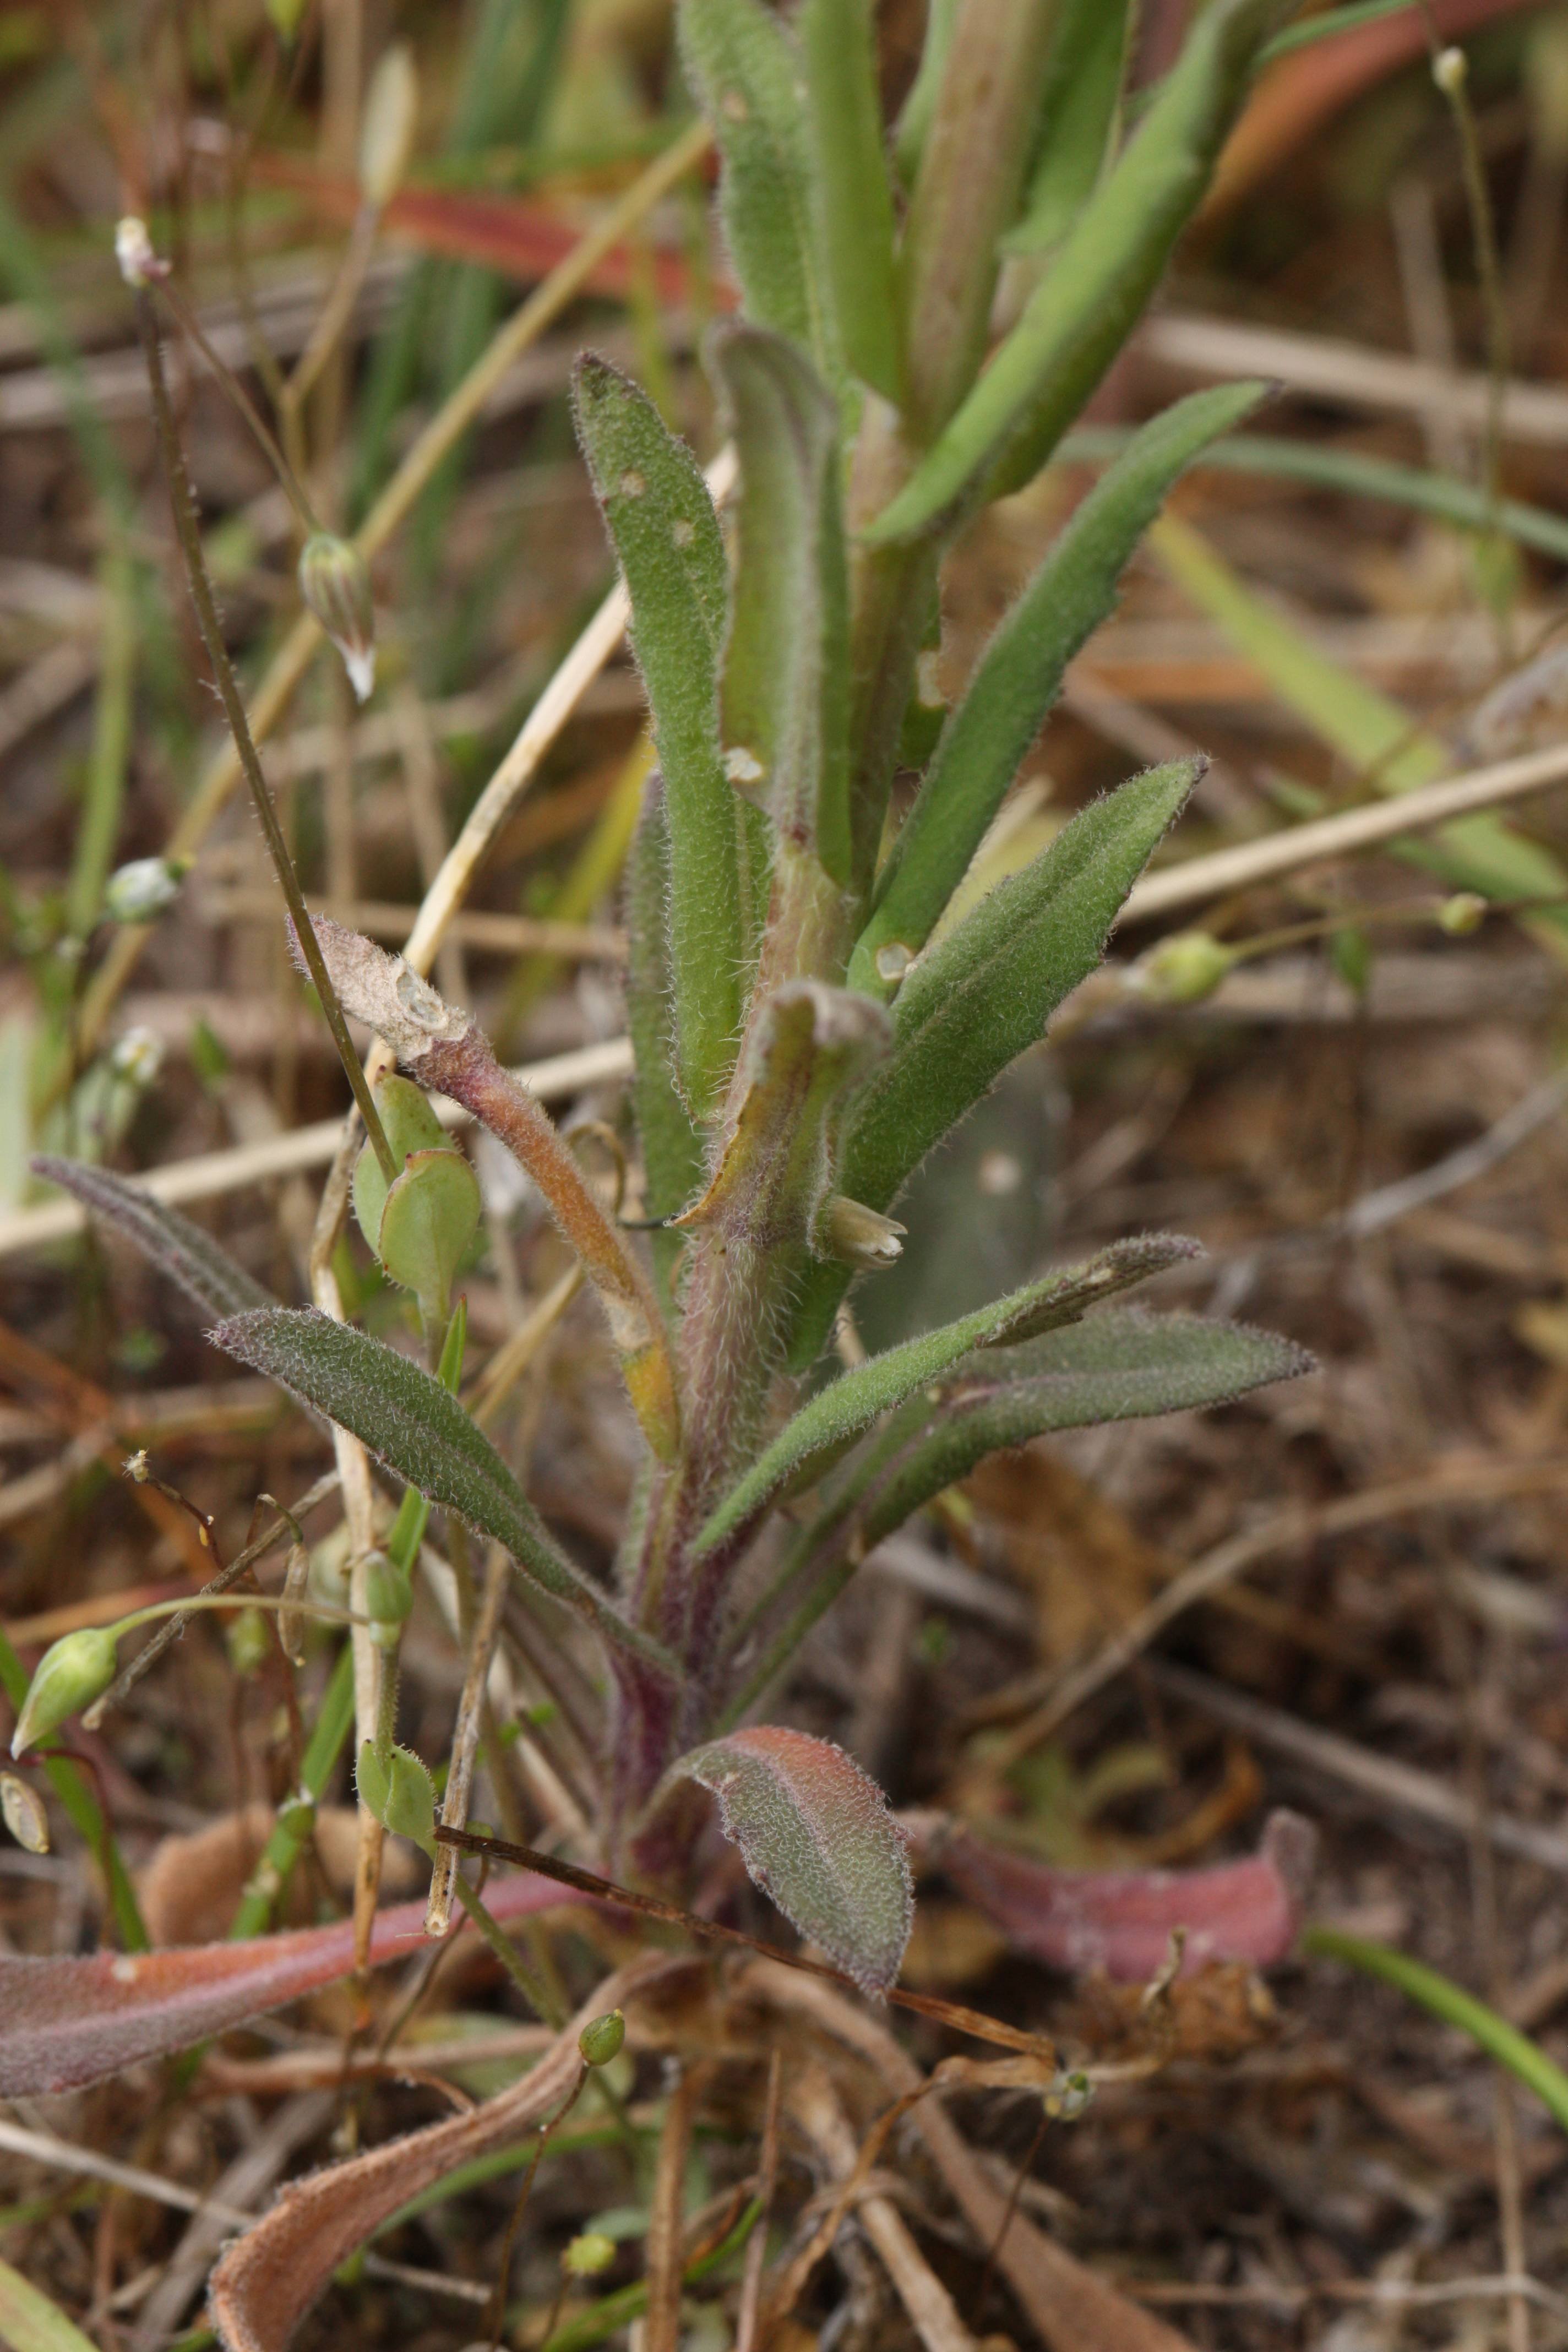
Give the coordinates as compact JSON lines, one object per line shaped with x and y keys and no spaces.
{"x":601,"y":2038}
{"x":248,"y":1641}
{"x":388,"y":1598}
{"x":400,"y":1794}
{"x":1182,"y":969}
{"x":22,"y":1810}
{"x":335,"y":585}
{"x":431,"y":1215}
{"x":1463,"y":913}
{"x":137,"y":892}
{"x":588,"y":2254}
{"x":70,"y":1675}
{"x":411,"y":1126}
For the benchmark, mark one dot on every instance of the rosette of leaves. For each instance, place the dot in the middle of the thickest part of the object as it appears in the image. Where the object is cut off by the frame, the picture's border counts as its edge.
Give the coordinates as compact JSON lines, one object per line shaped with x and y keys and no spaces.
{"x":809,"y":1018}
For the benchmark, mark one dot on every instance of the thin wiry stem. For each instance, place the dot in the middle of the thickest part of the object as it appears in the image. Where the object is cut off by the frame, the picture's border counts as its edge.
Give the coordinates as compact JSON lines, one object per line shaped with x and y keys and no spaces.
{"x":182,"y":498}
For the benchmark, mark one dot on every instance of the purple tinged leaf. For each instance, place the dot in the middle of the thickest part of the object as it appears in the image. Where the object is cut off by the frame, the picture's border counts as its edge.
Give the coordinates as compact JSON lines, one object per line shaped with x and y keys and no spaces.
{"x":71,"y":2022}
{"x":1122,"y":1920}
{"x":815,"y":1832}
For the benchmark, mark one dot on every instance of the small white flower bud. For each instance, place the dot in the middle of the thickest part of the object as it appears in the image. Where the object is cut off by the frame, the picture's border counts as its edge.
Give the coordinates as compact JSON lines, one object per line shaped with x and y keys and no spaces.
{"x":138,"y":265}
{"x":71,"y":1675}
{"x":1451,"y":71}
{"x":386,"y":132}
{"x":136,"y":892}
{"x":335,"y":585}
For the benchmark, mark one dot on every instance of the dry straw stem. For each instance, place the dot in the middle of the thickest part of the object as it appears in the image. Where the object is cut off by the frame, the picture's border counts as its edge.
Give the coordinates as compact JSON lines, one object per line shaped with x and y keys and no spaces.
{"x":1176,"y":888}
{"x":448,"y":427}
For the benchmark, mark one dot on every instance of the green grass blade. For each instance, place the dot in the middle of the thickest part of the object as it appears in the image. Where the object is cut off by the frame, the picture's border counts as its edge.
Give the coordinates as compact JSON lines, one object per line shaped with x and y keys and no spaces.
{"x":1464,"y":504}
{"x":845,"y":121}
{"x":784,"y":700}
{"x":1082,"y":314}
{"x":667,"y":536}
{"x":746,"y":72}
{"x":1492,"y":2033}
{"x":1019,"y":675}
{"x":1375,"y":735}
{"x":29,"y":2321}
{"x":329,"y":1736}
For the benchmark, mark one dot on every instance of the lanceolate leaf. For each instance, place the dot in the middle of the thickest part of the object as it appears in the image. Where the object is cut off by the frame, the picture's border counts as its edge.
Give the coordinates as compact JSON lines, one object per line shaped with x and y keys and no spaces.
{"x":746,"y":72}
{"x":419,"y":1429}
{"x":30,"y":2322}
{"x":667,"y":537}
{"x":1121,"y":1365}
{"x":987,"y":991}
{"x":1117,"y":1365}
{"x":815,"y":1834}
{"x":1086,"y":306}
{"x":1019,"y":676}
{"x":836,"y":1417}
{"x":203,"y":1270}
{"x":785,"y":701}
{"x":839,"y":51}
{"x":984,"y":994}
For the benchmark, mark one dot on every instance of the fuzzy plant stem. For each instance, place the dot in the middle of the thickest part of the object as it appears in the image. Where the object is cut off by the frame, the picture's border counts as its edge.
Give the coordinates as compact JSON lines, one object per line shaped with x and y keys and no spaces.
{"x":182,"y":499}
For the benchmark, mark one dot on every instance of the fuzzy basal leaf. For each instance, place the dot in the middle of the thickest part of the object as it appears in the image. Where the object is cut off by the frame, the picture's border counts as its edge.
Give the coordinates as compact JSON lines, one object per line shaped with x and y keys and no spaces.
{"x":815,"y":1834}
{"x":203,"y":1270}
{"x":419,"y":1429}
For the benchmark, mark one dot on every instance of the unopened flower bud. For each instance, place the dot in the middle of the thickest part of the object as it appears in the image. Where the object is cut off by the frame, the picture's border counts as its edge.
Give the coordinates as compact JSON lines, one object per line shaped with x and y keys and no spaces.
{"x":386,"y":132}
{"x":860,"y":1237}
{"x":22,"y":1810}
{"x":1182,"y":969}
{"x":1463,"y":913}
{"x":68,"y":1676}
{"x":588,"y":2254}
{"x":1451,"y":71}
{"x":136,"y":893}
{"x":139,"y":263}
{"x":335,"y":585}
{"x":601,"y":2038}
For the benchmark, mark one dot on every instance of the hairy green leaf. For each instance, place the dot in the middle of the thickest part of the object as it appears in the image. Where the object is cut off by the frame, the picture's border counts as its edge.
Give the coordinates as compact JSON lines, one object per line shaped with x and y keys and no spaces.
{"x":836,"y":1415}
{"x":203,"y":1268}
{"x":1121,"y":1365}
{"x":838,"y":46}
{"x":1079,"y":109}
{"x":746,"y":72}
{"x":667,"y":537}
{"x":671,"y":1148}
{"x":419,"y":1429}
{"x":1019,"y":676}
{"x":1084,"y":308}
{"x":982,"y":996}
{"x":816,"y":1836}
{"x":785,"y":699}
